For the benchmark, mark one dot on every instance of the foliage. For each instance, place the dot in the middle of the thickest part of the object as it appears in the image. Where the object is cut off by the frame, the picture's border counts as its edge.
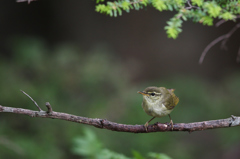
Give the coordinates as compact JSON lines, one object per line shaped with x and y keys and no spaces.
{"x":199,"y":11}
{"x":90,"y":147}
{"x":158,"y":156}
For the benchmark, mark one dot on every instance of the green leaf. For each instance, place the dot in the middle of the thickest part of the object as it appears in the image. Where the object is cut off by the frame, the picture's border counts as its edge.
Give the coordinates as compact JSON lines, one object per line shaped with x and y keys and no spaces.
{"x":159,"y":5}
{"x":170,"y":7}
{"x":171,"y":32}
{"x":87,"y":145}
{"x":206,"y":20}
{"x":98,"y":1}
{"x":144,"y":2}
{"x":197,"y":2}
{"x":213,"y":9}
{"x":137,"y":155}
{"x":119,"y":11}
{"x":115,"y":13}
{"x":100,"y":8}
{"x":136,"y":6}
{"x":107,"y":154}
{"x":227,"y":16}
{"x":110,"y":13}
{"x":158,"y":156}
{"x":125,"y":5}
{"x":173,"y":28}
{"x":179,"y":3}
{"x":184,"y":18}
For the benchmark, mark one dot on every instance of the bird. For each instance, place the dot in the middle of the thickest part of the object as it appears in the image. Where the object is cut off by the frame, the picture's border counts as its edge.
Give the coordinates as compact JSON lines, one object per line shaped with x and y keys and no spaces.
{"x":158,"y":102}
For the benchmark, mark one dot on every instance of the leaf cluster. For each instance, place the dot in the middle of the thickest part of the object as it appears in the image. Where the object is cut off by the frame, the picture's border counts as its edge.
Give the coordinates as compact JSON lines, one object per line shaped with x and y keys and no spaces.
{"x":199,"y":11}
{"x":89,"y":146}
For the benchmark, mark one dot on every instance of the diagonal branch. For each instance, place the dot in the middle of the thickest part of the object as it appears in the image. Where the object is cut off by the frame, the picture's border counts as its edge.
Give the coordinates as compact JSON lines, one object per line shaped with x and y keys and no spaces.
{"x":238,"y":55}
{"x":224,"y":38}
{"x":29,"y":1}
{"x":214,"y":42}
{"x":105,"y":124}
{"x":224,"y":21}
{"x":31,"y":100}
{"x":228,"y":35}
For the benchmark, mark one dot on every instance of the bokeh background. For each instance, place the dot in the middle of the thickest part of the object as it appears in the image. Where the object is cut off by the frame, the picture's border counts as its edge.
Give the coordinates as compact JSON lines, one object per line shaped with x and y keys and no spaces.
{"x":92,"y":65}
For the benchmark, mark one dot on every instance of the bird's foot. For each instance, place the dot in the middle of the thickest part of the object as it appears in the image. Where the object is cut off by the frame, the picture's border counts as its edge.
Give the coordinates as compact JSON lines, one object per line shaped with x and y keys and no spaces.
{"x":171,"y":123}
{"x":146,"y":126}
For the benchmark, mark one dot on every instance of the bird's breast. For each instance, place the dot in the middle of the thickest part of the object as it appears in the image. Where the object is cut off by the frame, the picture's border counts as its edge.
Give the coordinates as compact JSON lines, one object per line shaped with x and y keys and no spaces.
{"x":156,"y":109}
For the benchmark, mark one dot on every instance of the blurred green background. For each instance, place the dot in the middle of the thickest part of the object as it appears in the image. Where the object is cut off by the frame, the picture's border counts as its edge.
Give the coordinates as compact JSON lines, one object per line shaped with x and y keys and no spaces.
{"x":97,"y":84}
{"x":91,"y":65}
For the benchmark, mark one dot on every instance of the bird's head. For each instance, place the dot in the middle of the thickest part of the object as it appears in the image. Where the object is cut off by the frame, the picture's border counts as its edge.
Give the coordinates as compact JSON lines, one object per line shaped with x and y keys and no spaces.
{"x":154,"y":94}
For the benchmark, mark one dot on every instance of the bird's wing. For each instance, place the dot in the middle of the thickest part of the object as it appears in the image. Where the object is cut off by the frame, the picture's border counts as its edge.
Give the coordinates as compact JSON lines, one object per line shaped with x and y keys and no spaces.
{"x":168,"y":105}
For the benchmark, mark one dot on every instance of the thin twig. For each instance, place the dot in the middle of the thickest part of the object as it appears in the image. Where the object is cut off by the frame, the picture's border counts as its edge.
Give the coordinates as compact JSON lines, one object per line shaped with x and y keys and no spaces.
{"x":214,"y":42}
{"x":238,"y":55}
{"x":220,"y":23}
{"x":228,"y":35}
{"x":29,"y":1}
{"x":224,"y":38}
{"x":105,"y":124}
{"x":49,"y":107}
{"x":190,"y":5}
{"x":32,"y":100}
{"x":223,"y":21}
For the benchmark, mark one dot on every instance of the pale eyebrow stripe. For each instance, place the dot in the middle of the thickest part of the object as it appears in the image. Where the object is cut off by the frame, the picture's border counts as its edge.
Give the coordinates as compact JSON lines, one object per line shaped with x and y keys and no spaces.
{"x":155,"y":93}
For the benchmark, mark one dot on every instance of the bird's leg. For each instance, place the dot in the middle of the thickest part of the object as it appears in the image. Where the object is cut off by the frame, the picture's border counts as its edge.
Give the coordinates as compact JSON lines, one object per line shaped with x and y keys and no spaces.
{"x":171,"y":122}
{"x":146,"y":125}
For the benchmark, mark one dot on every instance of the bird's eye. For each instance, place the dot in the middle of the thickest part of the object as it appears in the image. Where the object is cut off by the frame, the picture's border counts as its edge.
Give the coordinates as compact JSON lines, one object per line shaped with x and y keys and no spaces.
{"x":152,"y":94}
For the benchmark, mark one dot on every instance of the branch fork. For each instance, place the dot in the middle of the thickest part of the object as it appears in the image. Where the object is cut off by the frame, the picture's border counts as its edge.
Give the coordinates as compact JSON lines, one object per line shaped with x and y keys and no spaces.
{"x":41,"y":112}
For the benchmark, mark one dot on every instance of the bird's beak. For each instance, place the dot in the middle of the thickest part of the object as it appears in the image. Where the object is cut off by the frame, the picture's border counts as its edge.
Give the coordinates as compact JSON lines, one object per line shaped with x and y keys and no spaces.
{"x":143,"y":93}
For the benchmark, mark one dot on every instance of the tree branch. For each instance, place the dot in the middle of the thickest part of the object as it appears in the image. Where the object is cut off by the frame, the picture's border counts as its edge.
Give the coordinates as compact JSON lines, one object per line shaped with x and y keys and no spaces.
{"x":224,"y":38}
{"x":32,"y":100}
{"x":29,"y":1}
{"x":220,"y":22}
{"x":238,"y":55}
{"x":228,"y":35}
{"x":105,"y":124}
{"x":190,"y":6}
{"x":214,"y":42}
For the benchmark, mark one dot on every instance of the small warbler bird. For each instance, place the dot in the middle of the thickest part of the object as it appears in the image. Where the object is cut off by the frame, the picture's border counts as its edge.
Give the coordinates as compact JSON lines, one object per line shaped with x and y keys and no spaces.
{"x":158,"y":102}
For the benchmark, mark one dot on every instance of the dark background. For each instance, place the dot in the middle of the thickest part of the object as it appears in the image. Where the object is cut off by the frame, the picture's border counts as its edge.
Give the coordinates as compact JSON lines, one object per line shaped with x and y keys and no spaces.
{"x":139,"y":35}
{"x":83,"y":61}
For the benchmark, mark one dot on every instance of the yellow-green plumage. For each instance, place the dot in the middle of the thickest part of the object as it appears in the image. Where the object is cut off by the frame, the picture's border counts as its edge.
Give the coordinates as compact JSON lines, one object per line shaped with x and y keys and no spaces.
{"x":158,"y":101}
